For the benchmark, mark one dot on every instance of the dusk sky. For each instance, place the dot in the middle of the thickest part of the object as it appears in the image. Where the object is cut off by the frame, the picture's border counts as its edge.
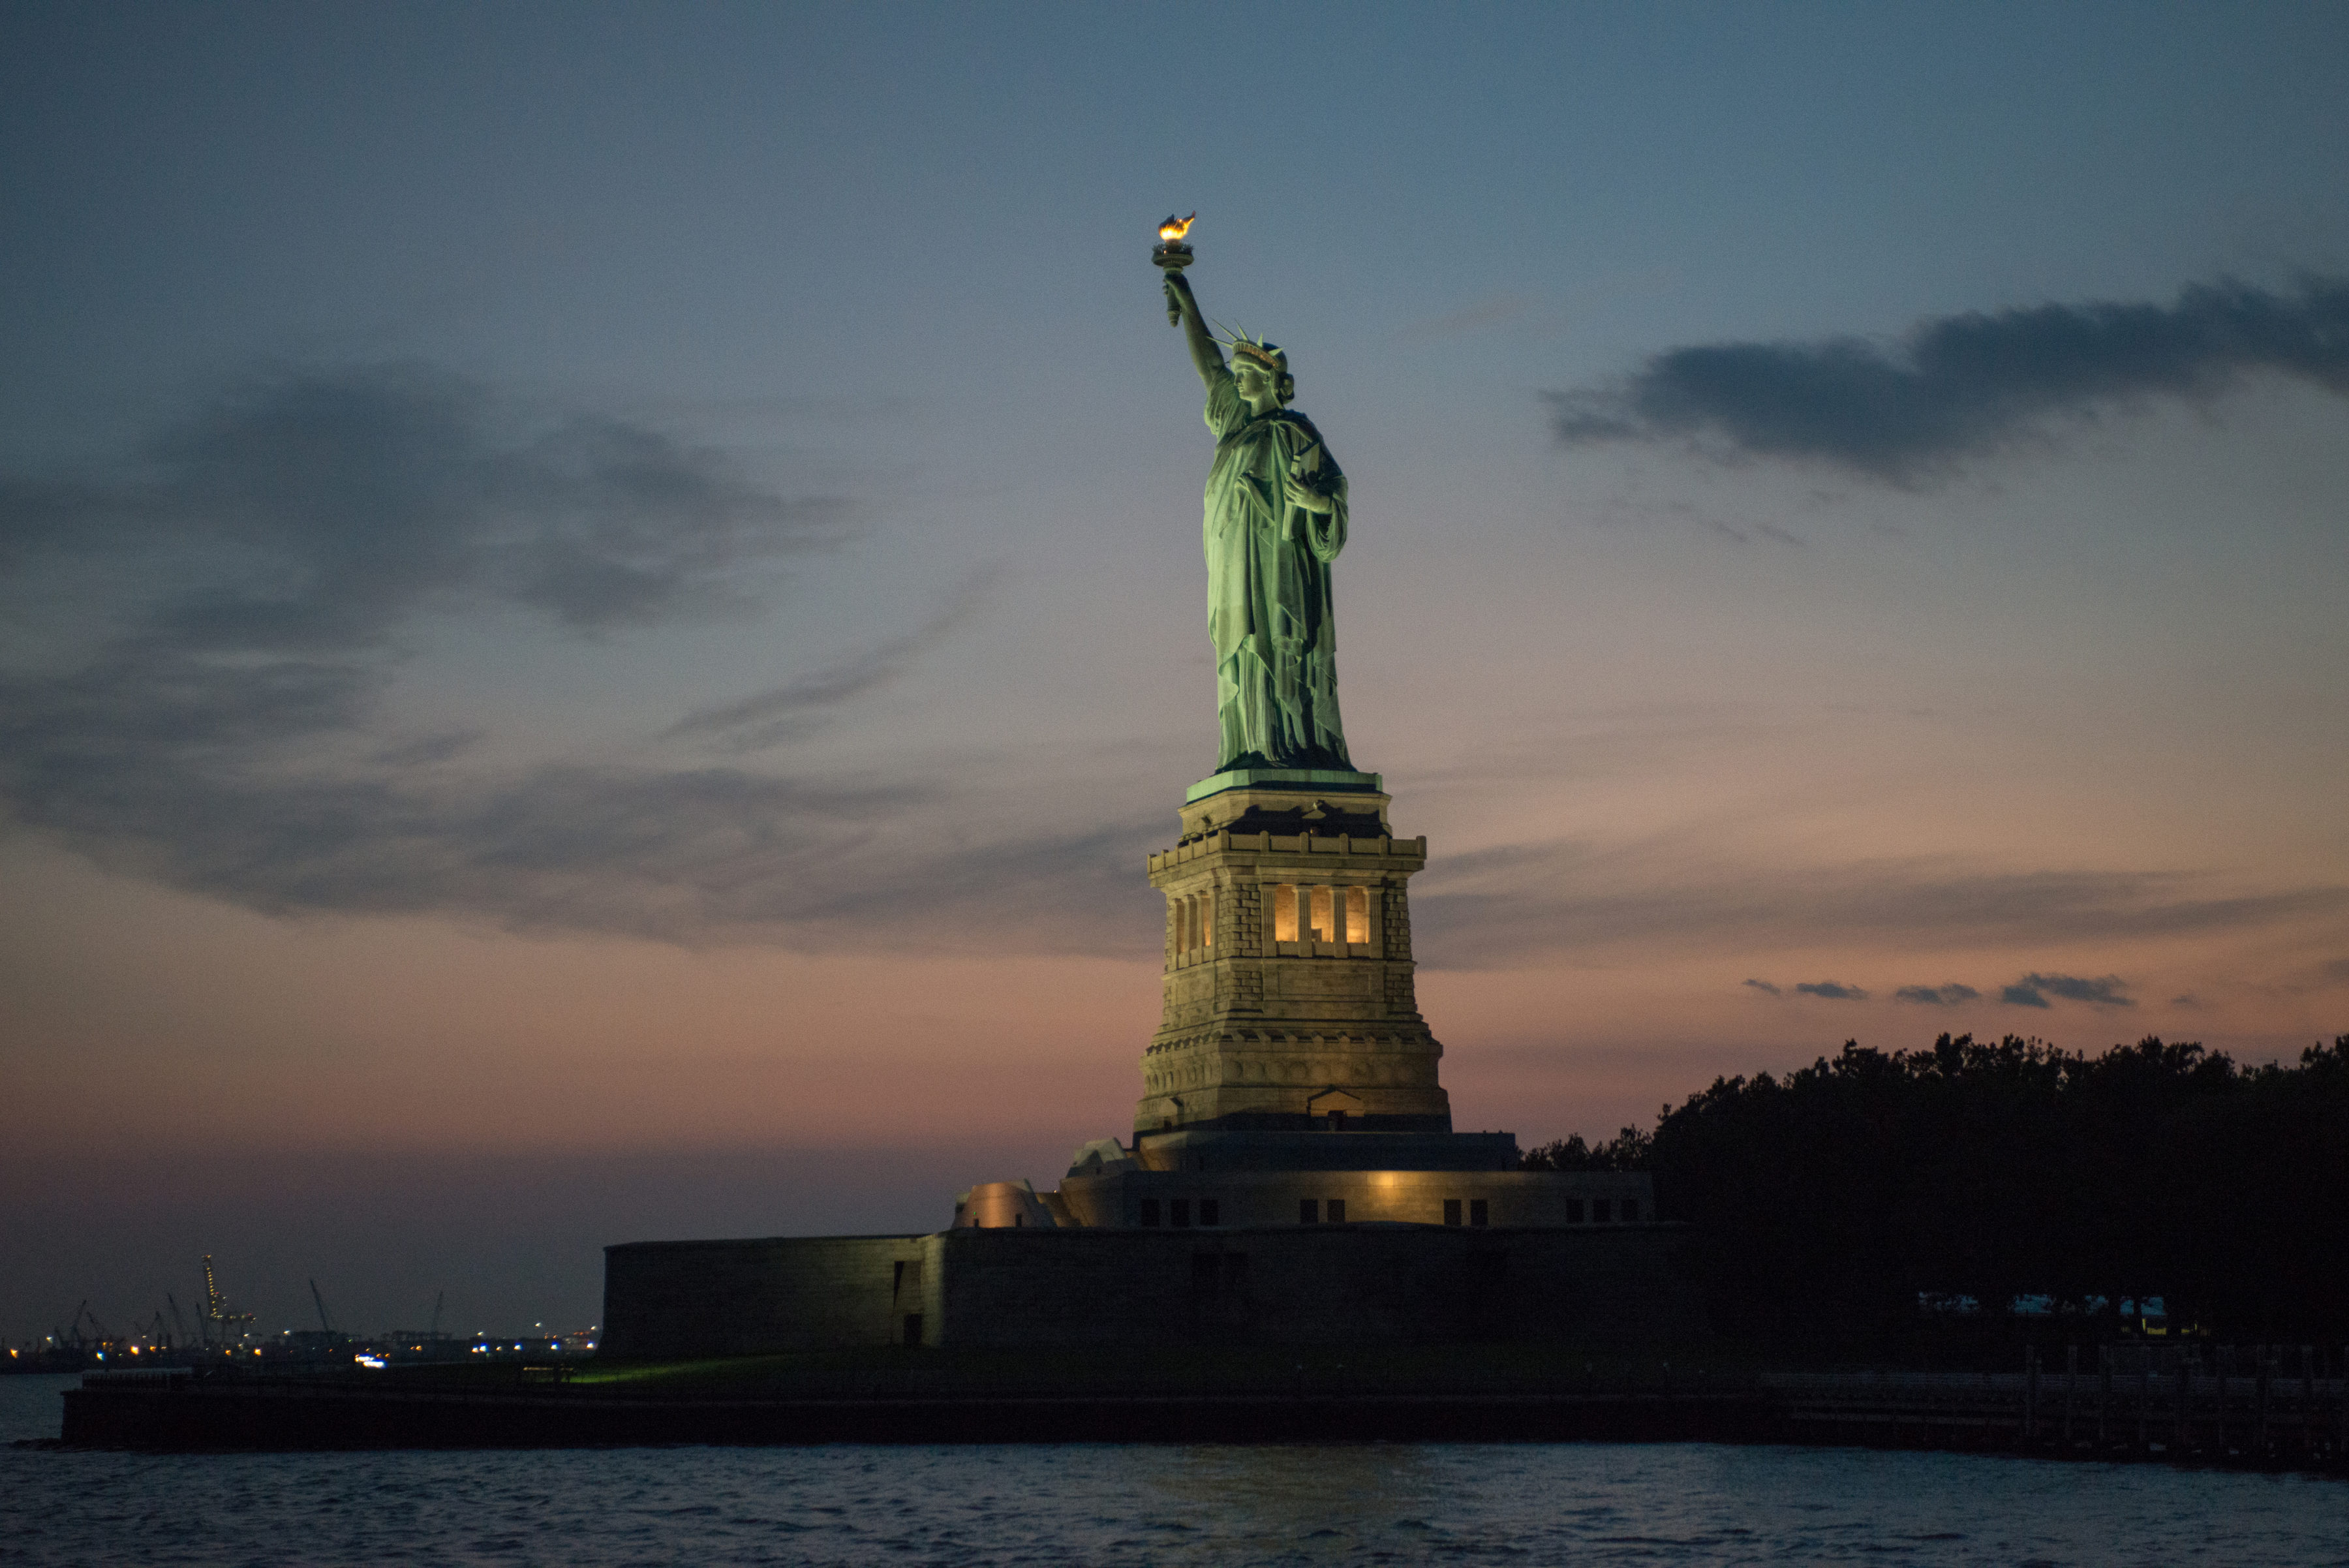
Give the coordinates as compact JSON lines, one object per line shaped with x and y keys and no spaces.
{"x":599,"y":605}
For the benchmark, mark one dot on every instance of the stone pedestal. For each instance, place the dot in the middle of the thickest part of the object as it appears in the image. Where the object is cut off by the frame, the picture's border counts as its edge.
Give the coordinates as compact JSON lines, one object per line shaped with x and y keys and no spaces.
{"x":1289,"y":1003}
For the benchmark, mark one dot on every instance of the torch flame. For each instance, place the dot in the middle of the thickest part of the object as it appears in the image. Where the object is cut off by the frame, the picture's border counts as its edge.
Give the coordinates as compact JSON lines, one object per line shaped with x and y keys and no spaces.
{"x":1172,"y":231}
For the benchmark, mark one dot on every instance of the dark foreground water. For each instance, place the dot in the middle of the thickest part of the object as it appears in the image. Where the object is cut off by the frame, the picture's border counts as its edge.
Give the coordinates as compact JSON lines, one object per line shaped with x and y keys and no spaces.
{"x":1547,"y":1504}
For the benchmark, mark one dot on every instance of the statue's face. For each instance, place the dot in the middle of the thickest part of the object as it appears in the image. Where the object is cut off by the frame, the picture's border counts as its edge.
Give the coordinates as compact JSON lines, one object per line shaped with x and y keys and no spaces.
{"x":1250,"y":378}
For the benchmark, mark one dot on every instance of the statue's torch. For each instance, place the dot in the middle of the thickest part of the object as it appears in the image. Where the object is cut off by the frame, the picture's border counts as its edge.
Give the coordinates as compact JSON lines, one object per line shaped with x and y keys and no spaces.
{"x":1173,"y":255}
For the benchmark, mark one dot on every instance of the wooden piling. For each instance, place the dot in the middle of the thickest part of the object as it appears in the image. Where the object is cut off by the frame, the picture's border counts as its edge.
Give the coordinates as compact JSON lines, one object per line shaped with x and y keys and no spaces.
{"x":2258,"y":1428}
{"x":2307,"y":1402}
{"x":2103,"y":1397}
{"x":2182,"y":1430}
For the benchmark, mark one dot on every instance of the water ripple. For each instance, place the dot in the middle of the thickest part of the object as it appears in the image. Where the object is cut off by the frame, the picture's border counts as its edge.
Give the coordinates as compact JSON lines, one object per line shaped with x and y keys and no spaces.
{"x":1142,"y":1507}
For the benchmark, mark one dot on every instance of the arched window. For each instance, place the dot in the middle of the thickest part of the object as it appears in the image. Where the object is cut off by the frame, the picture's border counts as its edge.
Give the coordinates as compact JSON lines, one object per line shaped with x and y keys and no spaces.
{"x":1324,"y":926}
{"x":1358,"y":914}
{"x":1284,"y":913}
{"x":1207,"y":919}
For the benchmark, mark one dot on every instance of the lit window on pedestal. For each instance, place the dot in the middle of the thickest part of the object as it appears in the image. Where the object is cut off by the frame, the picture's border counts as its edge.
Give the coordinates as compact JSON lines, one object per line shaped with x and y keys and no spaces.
{"x":1323,"y":931}
{"x":1358,"y":915}
{"x":1284,"y":913}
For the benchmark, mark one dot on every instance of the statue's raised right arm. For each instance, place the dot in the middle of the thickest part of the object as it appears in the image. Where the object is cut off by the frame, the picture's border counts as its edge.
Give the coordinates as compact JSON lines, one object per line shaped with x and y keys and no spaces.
{"x":1204,"y":354}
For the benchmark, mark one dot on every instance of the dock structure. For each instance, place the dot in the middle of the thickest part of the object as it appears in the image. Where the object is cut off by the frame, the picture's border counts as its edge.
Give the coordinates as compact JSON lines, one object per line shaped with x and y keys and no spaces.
{"x":2275,"y":1407}
{"x":2252,"y":1404}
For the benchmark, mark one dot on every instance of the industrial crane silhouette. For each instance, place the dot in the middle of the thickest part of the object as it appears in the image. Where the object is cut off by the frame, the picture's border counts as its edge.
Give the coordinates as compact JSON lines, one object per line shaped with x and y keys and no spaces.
{"x":216,"y":1307}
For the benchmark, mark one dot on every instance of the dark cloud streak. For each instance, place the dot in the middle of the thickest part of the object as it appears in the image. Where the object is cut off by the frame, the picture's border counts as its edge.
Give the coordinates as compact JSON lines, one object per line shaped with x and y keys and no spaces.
{"x":253,"y":570}
{"x":1948,"y":995}
{"x":2033,"y":990}
{"x":313,"y":511}
{"x":1962,"y":386}
{"x":1500,"y":908}
{"x":785,"y":712}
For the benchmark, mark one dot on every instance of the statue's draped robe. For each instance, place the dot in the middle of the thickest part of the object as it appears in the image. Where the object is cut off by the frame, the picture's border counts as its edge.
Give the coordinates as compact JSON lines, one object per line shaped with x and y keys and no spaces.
{"x":1269,"y":591}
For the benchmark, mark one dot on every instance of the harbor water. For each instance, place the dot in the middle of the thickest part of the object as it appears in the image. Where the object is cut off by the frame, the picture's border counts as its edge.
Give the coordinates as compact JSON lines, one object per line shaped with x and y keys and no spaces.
{"x":1139,"y":1504}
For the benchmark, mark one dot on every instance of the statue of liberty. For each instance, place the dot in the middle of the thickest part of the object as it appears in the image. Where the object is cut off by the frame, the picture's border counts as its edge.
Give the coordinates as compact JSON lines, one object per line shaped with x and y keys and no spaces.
{"x":1276,"y":519}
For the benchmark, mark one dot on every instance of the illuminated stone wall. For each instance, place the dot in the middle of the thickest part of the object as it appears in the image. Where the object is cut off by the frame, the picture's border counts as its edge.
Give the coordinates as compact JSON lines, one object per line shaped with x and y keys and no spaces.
{"x":772,"y":1294}
{"x":1244,"y":1198}
{"x":1288,"y":967}
{"x":1291,"y":1285}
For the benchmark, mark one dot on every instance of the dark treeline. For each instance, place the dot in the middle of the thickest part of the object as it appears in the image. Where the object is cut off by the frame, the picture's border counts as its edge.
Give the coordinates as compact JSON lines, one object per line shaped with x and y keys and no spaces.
{"x":1823,"y":1203}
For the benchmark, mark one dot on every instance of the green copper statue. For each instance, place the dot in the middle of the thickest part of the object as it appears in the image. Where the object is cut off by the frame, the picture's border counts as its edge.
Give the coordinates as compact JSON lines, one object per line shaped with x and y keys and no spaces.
{"x":1276,"y":520}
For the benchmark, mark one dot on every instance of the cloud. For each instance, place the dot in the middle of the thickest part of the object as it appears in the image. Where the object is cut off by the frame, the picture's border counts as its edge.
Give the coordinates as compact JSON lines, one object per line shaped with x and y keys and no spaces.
{"x":2033,"y":990}
{"x":1508,"y":907}
{"x":1948,"y":995}
{"x":787,"y":712}
{"x":1958,"y":387}
{"x":314,"y":509}
{"x":240,"y":587}
{"x":1764,"y":987}
{"x":1830,"y":991}
{"x":200,"y":778}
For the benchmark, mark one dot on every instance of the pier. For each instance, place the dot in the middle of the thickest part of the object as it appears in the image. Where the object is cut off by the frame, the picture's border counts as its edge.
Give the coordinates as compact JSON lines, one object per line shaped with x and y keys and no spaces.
{"x":2255,"y":1406}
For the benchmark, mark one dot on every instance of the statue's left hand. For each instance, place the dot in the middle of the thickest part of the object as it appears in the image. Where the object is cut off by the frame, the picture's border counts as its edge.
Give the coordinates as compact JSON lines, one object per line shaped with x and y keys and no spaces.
{"x":1299,"y":483}
{"x":1305,"y":499}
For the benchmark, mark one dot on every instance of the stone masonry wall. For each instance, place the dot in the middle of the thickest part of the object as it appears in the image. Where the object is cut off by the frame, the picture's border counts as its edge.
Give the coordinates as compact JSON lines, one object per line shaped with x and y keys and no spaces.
{"x":1304,"y":1285}
{"x":1292,"y":1285}
{"x":764,"y":1294}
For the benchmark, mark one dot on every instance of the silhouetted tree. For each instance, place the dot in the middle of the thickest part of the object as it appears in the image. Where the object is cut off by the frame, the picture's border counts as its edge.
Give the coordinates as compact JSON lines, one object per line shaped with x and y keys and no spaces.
{"x":1626,"y":1150}
{"x":1826,"y":1204}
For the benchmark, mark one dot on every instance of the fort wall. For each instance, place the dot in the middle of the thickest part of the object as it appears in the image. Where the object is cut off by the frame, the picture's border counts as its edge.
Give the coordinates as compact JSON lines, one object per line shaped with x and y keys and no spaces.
{"x":676,"y":1299}
{"x":1020,"y":1287}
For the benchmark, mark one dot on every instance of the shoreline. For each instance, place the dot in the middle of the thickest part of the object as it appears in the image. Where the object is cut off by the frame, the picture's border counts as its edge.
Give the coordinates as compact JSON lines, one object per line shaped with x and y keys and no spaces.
{"x":776,"y":1401}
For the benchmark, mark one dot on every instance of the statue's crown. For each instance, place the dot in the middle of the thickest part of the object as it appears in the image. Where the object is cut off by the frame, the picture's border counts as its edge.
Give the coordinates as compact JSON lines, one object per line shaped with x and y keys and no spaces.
{"x":1267,"y":354}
